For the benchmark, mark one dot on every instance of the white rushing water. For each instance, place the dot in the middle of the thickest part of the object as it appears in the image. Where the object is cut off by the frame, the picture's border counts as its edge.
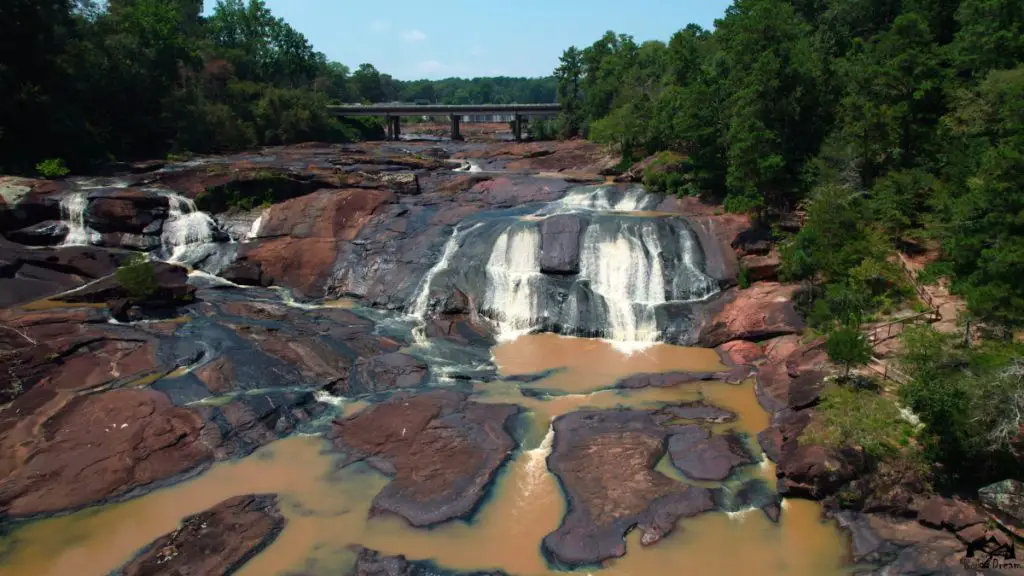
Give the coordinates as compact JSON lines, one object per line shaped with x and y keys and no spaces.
{"x":187,"y":231}
{"x":698,"y":284}
{"x":254,"y":230}
{"x":422,"y":301}
{"x":598,"y":199}
{"x":537,"y":463}
{"x":626,"y":271}
{"x":73,"y":207}
{"x":513,"y":275}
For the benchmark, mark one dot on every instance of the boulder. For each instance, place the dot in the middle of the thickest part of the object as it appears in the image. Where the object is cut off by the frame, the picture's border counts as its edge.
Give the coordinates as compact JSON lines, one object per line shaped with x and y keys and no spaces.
{"x":217,"y":541}
{"x":385,"y":373}
{"x":761,"y":268}
{"x":952,"y":515}
{"x":46,"y":233}
{"x":740,"y":353}
{"x":816,"y":472}
{"x":700,"y":410}
{"x":605,"y":462}
{"x":402,"y":182}
{"x":762,"y":312}
{"x":31,"y":274}
{"x":126,"y":210}
{"x":442,"y":451}
{"x":171,"y":289}
{"x":701,"y":456}
{"x":672,"y":379}
{"x":1005,"y":502}
{"x":560,"y":244}
{"x":894,"y":546}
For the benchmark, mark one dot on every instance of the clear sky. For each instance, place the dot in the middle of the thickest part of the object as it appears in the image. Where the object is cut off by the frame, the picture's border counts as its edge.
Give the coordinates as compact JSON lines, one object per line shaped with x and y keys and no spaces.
{"x":412,"y":39}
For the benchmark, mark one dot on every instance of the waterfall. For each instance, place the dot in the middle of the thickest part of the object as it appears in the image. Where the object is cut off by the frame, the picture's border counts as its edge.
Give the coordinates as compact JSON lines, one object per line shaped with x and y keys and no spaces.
{"x":422,"y":301}
{"x":72,"y":213}
{"x":513,"y":273}
{"x":697,"y":284}
{"x":599,"y":199}
{"x":187,"y":231}
{"x":536,"y":463}
{"x":625,"y":269}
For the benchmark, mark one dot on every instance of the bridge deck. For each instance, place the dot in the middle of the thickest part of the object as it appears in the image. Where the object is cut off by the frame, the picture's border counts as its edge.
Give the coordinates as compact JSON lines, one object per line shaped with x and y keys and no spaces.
{"x":439,"y":109}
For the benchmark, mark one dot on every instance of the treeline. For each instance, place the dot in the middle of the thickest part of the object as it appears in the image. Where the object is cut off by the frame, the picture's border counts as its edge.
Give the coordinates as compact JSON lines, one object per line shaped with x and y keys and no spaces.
{"x":905,"y":117}
{"x":893,"y":126}
{"x":88,"y":82}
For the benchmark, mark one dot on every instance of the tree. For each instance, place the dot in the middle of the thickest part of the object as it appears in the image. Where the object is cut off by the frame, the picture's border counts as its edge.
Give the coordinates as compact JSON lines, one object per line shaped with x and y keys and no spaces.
{"x":569,"y":75}
{"x":847,"y":346}
{"x":990,"y":36}
{"x":366,"y":84}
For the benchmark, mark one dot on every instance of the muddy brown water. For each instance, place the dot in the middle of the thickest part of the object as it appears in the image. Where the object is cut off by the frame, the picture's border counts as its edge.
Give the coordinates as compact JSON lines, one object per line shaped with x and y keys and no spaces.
{"x":327,"y":509}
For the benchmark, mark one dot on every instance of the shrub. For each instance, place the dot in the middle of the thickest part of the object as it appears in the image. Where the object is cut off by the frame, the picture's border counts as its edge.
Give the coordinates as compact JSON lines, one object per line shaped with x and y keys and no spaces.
{"x":744,"y":277}
{"x":52,"y":168}
{"x":137,"y":277}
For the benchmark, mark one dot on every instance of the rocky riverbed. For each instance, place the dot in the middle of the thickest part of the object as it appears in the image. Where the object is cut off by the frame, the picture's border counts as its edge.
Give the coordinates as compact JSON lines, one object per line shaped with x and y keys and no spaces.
{"x":384,"y":298}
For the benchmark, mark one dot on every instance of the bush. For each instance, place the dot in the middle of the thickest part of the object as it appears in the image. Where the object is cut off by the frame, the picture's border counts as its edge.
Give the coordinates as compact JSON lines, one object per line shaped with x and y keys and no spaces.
{"x":539,"y":129}
{"x":744,"y":277}
{"x":52,"y":168}
{"x":851,"y":417}
{"x":138,"y":278}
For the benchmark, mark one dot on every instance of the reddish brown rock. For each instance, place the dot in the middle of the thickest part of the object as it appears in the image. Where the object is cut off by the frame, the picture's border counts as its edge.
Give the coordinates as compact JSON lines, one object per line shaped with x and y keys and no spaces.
{"x":740,"y":353}
{"x":217,"y":541}
{"x":759,"y":313}
{"x":78,"y":450}
{"x":126,"y":210}
{"x":952,"y":515}
{"x":442,"y":450}
{"x":305,"y":233}
{"x":761,"y":268}
{"x":896,"y":546}
{"x":605,"y":462}
{"x":815,"y":471}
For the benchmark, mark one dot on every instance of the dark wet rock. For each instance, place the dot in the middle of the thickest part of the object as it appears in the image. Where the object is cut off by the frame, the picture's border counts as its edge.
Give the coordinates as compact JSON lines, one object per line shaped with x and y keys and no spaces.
{"x":171,"y":289}
{"x":1005,"y":501}
{"x":753,"y":493}
{"x":884,"y":545}
{"x":32,"y":274}
{"x":373,"y":563}
{"x":246,"y":273}
{"x":754,"y":240}
{"x":699,"y":410}
{"x":815,"y":471}
{"x":715,"y":233}
{"x":443,"y":451}
{"x":461,"y":329}
{"x":786,"y":426}
{"x":671,"y":379}
{"x":560,"y":244}
{"x":26,"y":201}
{"x":217,"y":541}
{"x":47,"y":233}
{"x":952,"y":515}
{"x":126,"y":210}
{"x":385,"y":373}
{"x":764,"y":311}
{"x":605,"y":461}
{"x":701,"y":456}
{"x":95,"y":447}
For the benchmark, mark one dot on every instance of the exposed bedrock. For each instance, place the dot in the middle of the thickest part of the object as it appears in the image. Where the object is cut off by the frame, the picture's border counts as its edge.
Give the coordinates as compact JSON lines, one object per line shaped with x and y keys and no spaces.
{"x":605,"y":462}
{"x":373,"y":563}
{"x":761,"y":312}
{"x":703,"y":456}
{"x":216,"y":541}
{"x":442,"y":451}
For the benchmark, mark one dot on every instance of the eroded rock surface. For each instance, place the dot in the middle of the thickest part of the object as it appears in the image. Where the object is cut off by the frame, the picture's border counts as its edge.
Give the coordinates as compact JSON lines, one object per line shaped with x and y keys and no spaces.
{"x":703,"y":456}
{"x":605,"y":461}
{"x":373,"y":563}
{"x":761,"y":312}
{"x":441,"y":449}
{"x":217,"y":541}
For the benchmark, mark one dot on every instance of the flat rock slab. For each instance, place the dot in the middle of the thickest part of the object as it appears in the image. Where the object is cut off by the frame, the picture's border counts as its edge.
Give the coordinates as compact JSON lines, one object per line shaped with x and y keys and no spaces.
{"x":761,"y":312}
{"x":217,"y":541}
{"x":605,"y":461}
{"x":700,"y":410}
{"x":442,"y":450}
{"x":701,"y":456}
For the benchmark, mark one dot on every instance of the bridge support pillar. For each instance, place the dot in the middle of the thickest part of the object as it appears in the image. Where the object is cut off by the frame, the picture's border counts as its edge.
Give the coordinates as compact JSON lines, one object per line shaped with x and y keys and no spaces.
{"x":397,"y":130}
{"x":517,"y":128}
{"x":390,"y":128}
{"x":456,"y":134}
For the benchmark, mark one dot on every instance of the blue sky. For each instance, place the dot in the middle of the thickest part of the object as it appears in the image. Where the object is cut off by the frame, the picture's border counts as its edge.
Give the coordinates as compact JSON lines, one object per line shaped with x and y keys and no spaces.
{"x":412,"y":39}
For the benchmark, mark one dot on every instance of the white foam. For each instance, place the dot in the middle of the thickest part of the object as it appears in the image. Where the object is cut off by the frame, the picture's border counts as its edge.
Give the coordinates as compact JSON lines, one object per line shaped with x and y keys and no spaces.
{"x":73,"y":207}
{"x":187,"y":231}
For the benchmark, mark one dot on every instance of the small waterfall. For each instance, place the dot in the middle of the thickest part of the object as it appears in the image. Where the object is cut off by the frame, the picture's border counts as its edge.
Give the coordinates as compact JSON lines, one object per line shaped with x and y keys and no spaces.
{"x":626,"y":270}
{"x":254,"y":231}
{"x":422,"y":301}
{"x":187,"y":231}
{"x":696,"y":285}
{"x":599,"y":199}
{"x":513,"y":273}
{"x":72,"y":213}
{"x":536,"y":463}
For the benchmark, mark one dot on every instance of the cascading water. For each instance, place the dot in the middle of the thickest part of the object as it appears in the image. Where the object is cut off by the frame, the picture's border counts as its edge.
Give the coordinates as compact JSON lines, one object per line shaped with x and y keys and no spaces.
{"x":254,"y":230}
{"x":625,"y":269}
{"x":606,"y":268}
{"x":72,"y":213}
{"x":513,"y":275}
{"x":187,"y":232}
{"x":536,"y":464}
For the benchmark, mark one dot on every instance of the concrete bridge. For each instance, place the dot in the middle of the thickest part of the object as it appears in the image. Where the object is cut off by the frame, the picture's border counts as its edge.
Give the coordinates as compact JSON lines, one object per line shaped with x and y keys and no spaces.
{"x":393,"y":113}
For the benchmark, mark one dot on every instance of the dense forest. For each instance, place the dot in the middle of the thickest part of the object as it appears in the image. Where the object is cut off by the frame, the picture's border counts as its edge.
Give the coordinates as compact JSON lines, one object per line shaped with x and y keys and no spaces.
{"x":83,"y":82}
{"x":894,"y":126}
